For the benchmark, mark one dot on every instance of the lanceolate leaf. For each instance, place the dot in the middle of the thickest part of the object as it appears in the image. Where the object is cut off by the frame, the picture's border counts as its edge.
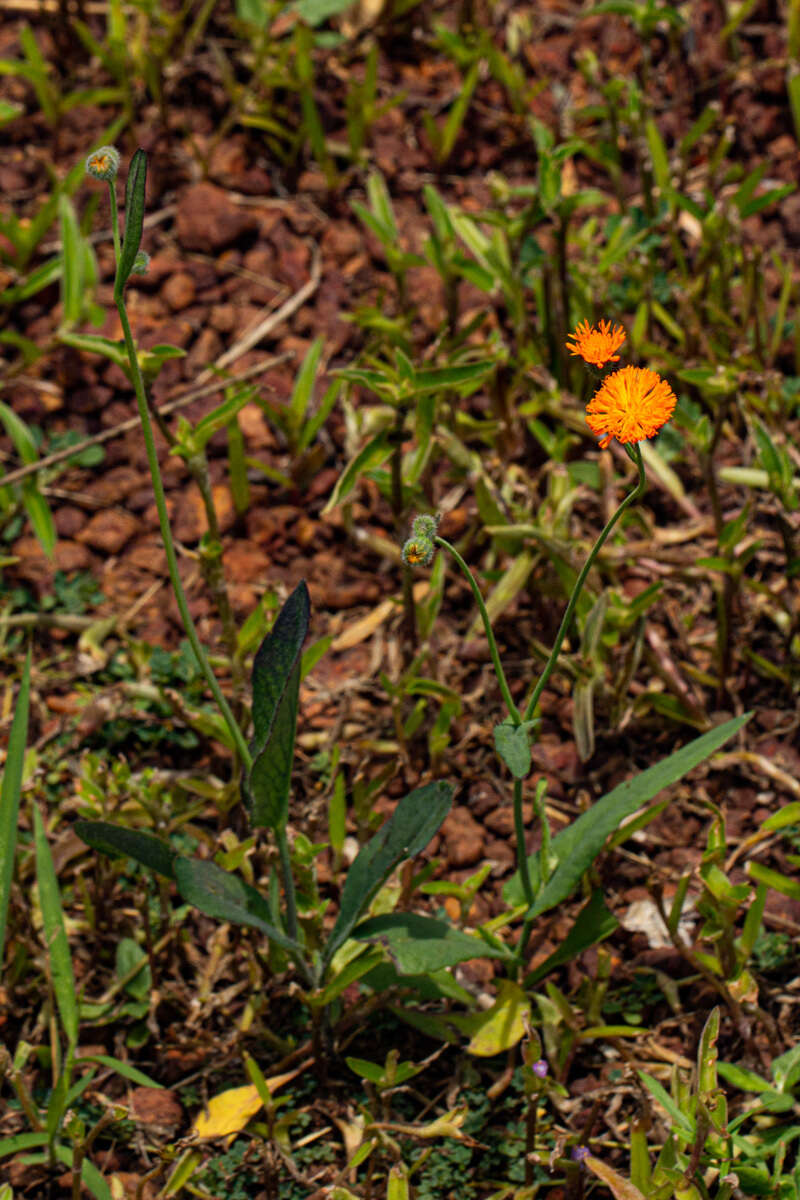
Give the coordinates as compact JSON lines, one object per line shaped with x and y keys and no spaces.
{"x":119,"y":842}
{"x":134,"y":219}
{"x":593,"y":923}
{"x":418,"y":944}
{"x":409,"y":829}
{"x":220,"y":894}
{"x":577,"y":846}
{"x":10,"y":793}
{"x":55,"y":934}
{"x":276,"y":685}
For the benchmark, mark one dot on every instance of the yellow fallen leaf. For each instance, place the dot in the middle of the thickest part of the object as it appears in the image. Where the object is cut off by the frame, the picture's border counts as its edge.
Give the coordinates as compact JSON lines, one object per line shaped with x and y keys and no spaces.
{"x":621,"y":1189}
{"x":229,"y":1112}
{"x":502,"y":1025}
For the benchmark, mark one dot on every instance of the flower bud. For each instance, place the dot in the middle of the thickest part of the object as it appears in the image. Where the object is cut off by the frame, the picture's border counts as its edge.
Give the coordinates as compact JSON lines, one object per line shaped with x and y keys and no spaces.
{"x":103,"y":163}
{"x":140,"y":263}
{"x":418,"y":552}
{"x":424,"y":527}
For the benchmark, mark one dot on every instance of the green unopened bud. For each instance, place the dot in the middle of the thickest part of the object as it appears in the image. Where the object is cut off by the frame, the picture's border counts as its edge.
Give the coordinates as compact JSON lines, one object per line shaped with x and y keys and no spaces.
{"x":140,"y":263}
{"x":424,"y":527}
{"x":103,"y":163}
{"x":418,"y":552}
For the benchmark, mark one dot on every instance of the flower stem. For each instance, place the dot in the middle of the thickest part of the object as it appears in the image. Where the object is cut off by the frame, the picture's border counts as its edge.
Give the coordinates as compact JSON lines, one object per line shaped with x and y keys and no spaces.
{"x":169,"y":546}
{"x":114,"y":219}
{"x":498,"y":666}
{"x":636,"y":456}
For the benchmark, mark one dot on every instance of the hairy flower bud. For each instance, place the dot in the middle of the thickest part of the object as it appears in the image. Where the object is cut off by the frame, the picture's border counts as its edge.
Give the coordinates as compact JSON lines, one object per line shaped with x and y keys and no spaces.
{"x":103,"y":163}
{"x":140,"y":263}
{"x":418,"y":552}
{"x":424,"y":527}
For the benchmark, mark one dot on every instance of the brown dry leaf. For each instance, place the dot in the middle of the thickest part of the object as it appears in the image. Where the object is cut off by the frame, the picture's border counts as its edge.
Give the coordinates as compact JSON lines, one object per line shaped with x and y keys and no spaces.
{"x":621,"y":1188}
{"x":360,"y":630}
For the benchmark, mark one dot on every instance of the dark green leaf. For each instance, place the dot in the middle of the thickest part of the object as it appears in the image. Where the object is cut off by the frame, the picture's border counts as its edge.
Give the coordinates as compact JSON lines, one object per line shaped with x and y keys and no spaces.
{"x":593,"y":923}
{"x":134,"y":219}
{"x":226,"y":897}
{"x":55,"y":932}
{"x":119,"y":842}
{"x":418,"y":944}
{"x":276,"y":685}
{"x":434,"y":379}
{"x":577,"y":846}
{"x":10,"y":791}
{"x":409,"y":829}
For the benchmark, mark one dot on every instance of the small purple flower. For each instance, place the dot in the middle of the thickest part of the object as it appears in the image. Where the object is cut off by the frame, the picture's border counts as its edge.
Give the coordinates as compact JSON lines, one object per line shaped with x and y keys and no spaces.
{"x":579,"y":1153}
{"x":540,"y":1068}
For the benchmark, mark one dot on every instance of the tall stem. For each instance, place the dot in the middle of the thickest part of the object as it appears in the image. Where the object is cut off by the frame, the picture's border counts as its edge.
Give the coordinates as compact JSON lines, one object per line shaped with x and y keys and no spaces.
{"x":496,"y":663}
{"x":409,"y":614}
{"x":169,"y":546}
{"x":522,"y":852}
{"x":636,"y":456}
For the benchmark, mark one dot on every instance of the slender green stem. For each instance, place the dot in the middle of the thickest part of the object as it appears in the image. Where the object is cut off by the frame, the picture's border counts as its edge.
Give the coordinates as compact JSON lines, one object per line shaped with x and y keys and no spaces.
{"x":306,"y":969}
{"x":288,"y":882}
{"x":545,"y":867}
{"x":636,"y":456}
{"x":498,"y":666}
{"x":169,"y":546}
{"x":114,"y":219}
{"x":522,"y":853}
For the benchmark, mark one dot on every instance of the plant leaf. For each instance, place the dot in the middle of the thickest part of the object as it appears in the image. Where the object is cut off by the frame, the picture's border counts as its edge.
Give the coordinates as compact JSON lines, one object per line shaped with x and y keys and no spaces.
{"x":409,"y":829}
{"x":55,"y":934}
{"x":226,"y":897}
{"x":513,"y":745}
{"x":276,"y":687}
{"x":10,"y":791}
{"x":134,"y":219}
{"x":418,"y":944}
{"x":593,"y":923}
{"x":502,"y":1025}
{"x":119,"y":842}
{"x":577,"y":846}
{"x":621,"y":1189}
{"x":376,"y":451}
{"x":229,"y":1112}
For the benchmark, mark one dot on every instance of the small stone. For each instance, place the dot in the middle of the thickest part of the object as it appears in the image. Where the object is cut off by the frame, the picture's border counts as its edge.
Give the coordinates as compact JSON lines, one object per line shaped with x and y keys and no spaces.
{"x":35,"y":567}
{"x":109,"y":530}
{"x":223,"y":318}
{"x":190,"y":520}
{"x":69,"y":520}
{"x":462,"y":838}
{"x":156,"y":1108}
{"x":209,"y":219}
{"x":204,"y":351}
{"x":179,"y":291}
{"x":253,"y":425}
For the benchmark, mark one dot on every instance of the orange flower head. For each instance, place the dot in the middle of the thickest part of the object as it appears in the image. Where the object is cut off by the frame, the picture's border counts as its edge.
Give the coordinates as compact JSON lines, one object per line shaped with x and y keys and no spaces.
{"x":630,"y":404}
{"x":597,"y":345}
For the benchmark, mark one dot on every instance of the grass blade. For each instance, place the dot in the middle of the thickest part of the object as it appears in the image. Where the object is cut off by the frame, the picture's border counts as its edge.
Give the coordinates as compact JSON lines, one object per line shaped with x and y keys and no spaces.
{"x":55,"y":933}
{"x":10,"y":790}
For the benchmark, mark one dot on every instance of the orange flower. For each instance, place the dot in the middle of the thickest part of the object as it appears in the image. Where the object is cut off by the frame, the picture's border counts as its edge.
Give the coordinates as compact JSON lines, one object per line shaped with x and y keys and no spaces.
{"x":597,"y":346}
{"x":631,"y":404}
